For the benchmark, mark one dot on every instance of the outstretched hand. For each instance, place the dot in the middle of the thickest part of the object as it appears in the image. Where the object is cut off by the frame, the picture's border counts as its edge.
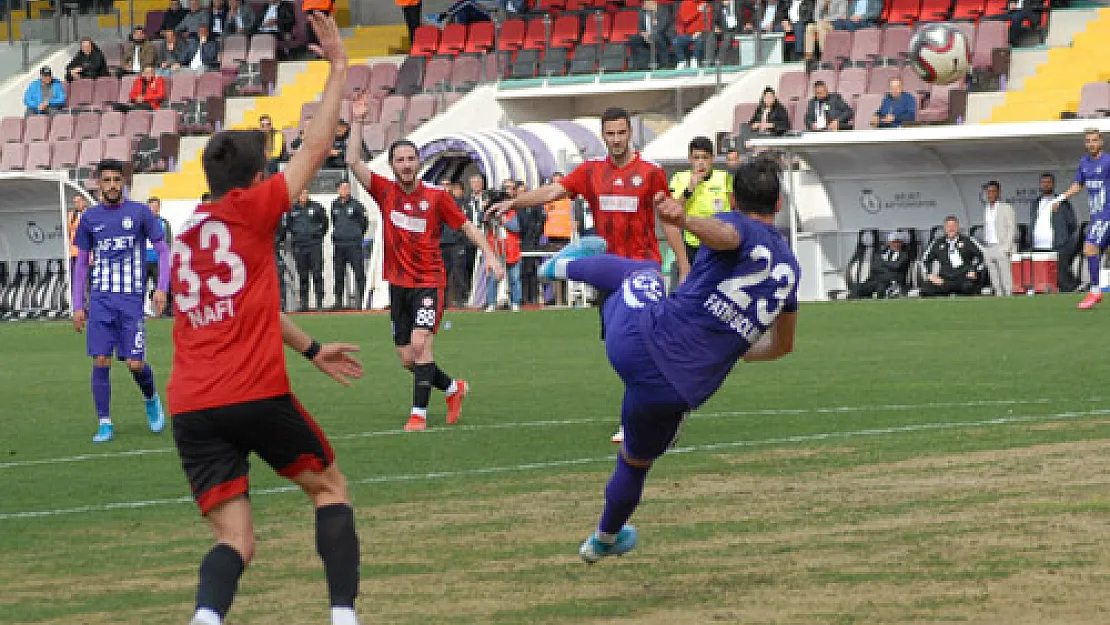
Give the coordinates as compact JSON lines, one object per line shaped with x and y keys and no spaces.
{"x":670,"y":210}
{"x":327,"y":33}
{"x":336,"y":361}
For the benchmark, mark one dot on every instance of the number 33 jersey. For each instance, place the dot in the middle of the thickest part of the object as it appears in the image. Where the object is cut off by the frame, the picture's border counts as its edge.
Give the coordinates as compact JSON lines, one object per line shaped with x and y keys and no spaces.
{"x":725,"y":305}
{"x":227,"y":327}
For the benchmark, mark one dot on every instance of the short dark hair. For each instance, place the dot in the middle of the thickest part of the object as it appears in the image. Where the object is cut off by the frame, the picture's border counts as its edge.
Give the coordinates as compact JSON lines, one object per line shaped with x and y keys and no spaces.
{"x":613,"y":113}
{"x":756,"y":185}
{"x":232,"y":159}
{"x":701,"y":143}
{"x":993,"y":183}
{"x":1049,"y":174}
{"x":265,"y":116}
{"x":819,"y":83}
{"x":154,"y":198}
{"x":400,"y":143}
{"x":733,"y":150}
{"x":109,"y":164}
{"x":952,"y":218}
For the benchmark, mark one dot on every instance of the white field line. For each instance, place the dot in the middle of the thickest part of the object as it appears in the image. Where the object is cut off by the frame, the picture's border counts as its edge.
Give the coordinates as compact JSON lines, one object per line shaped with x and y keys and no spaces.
{"x":552,"y":464}
{"x":15,"y":464}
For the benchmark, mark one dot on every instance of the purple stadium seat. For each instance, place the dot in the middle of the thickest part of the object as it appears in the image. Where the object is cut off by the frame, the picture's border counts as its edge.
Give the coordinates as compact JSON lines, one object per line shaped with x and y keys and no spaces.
{"x":111,"y":124}
{"x":880,"y":76}
{"x":233,"y":51}
{"x":793,"y":86}
{"x":451,"y":98}
{"x":113,"y":54}
{"x":358,"y":78}
{"x":165,"y":122}
{"x":137,"y":123}
{"x":838,"y":49}
{"x":61,"y":128}
{"x":852,"y":82}
{"x":263,"y":48}
{"x":105,"y":91}
{"x":937,"y":110}
{"x":437,"y":73}
{"x":118,"y":148}
{"x":184,"y":87}
{"x":91,"y":153}
{"x":210,"y":84}
{"x":865,"y":108}
{"x":466,"y":73}
{"x":896,"y":44}
{"x":11,"y":130}
{"x":1094,"y":99}
{"x":38,"y":156}
{"x":741,"y":113}
{"x":308,"y":111}
{"x":393,"y":107}
{"x":80,"y":94}
{"x":86,"y":126}
{"x":65,"y":155}
{"x":914,"y":84}
{"x":36,"y":128}
{"x":422,"y":107}
{"x":375,"y":110}
{"x":153,"y":26}
{"x":383,"y":78}
{"x":867,"y":46}
{"x":14,"y":157}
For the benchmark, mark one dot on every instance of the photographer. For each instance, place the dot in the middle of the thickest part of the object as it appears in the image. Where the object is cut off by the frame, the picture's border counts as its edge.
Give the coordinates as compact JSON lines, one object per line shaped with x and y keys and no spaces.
{"x":503,"y":234}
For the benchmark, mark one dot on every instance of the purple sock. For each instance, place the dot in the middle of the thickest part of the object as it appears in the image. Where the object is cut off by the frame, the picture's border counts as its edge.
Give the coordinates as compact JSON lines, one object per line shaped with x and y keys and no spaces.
{"x":605,"y":272}
{"x":1095,"y":267}
{"x":622,"y":495}
{"x":102,"y":391}
{"x":145,"y":379}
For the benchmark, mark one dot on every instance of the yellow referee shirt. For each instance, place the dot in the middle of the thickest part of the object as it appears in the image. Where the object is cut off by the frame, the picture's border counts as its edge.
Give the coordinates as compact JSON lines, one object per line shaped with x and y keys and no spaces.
{"x":709,"y":198}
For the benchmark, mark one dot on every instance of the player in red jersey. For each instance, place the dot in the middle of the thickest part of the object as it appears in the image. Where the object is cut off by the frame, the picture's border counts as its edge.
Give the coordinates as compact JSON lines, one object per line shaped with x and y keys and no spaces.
{"x":620,"y":190}
{"x":413,"y":214}
{"x":229,"y":392}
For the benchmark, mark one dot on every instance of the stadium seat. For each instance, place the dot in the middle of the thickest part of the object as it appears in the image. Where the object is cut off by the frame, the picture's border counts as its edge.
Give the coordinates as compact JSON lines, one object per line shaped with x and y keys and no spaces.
{"x":793,"y":86}
{"x":61,"y":128}
{"x":453,"y":40}
{"x":308,"y":111}
{"x":210,"y":84}
{"x":1094,"y":100}
{"x":903,"y":11}
{"x":934,"y":10}
{"x":358,"y":78}
{"x":233,"y":51}
{"x":383,"y":78}
{"x":91,"y":153}
{"x":137,"y":123}
{"x":566,"y":31}
{"x":990,"y":48}
{"x":851,"y":82}
{"x":591,"y":34}
{"x":577,"y":5}
{"x":554,"y":62}
{"x":11,"y":130}
{"x":49,"y":300}
{"x":14,"y":156}
{"x":65,"y":155}
{"x":968,"y":10}
{"x":837,"y":50}
{"x":867,"y":47}
{"x":38,"y":156}
{"x":105,"y":92}
{"x":79,"y":96}
{"x":625,"y":24}
{"x":425,"y":41}
{"x":741,"y":114}
{"x":113,"y":54}
{"x":939,"y":108}
{"x":864,"y":107}
{"x":535,"y":36}
{"x":86,"y":126}
{"x":263,"y":47}
{"x":111,"y":124}
{"x":125,"y":84}
{"x":995,"y":8}
{"x":153,"y":24}
{"x":896,"y":44}
{"x":614,"y":57}
{"x":585,"y":60}
{"x":422,"y":107}
{"x":393,"y":108}
{"x":858,"y":270}
{"x":37,"y":128}
{"x":511,"y":36}
{"x":830,"y":76}
{"x":437,"y":74}
{"x":373,"y":110}
{"x":466,"y":73}
{"x":879,"y":78}
{"x":410,"y":76}
{"x":479,"y":38}
{"x":526,"y":64}
{"x":183,"y":88}
{"x":373,"y":137}
{"x":915,"y":84}
{"x":118,"y":148}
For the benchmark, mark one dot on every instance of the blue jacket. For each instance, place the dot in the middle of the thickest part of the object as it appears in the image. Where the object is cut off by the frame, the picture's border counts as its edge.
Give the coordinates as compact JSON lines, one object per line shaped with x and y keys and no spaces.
{"x":904,"y":110}
{"x":33,"y":96}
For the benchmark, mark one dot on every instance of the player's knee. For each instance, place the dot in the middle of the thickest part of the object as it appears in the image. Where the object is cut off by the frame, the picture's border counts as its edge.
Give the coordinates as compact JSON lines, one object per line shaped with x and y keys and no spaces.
{"x":636,"y":463}
{"x":102,"y":361}
{"x":135,"y":365}
{"x":244,"y":545}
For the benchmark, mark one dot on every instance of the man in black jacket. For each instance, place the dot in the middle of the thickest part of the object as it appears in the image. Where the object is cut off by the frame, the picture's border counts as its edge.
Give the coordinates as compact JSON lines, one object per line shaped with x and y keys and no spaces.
{"x":1055,"y":229}
{"x":174,"y":16}
{"x":656,"y":31}
{"x":453,"y":247}
{"x":88,"y":63}
{"x":307,"y":225}
{"x":349,"y":221}
{"x":532,"y":219}
{"x":889,"y":268}
{"x":960,"y":262}
{"x":827,"y":111}
{"x":338,"y":151}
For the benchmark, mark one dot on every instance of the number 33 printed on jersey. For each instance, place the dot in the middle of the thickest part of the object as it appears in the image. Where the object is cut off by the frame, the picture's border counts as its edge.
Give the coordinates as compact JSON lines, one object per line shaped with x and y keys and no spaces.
{"x":216,"y":237}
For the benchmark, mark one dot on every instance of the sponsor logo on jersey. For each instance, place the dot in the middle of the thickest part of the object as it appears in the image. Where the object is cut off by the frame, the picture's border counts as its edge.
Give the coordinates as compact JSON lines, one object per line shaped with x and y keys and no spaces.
{"x":618,"y":203}
{"x":637,"y":180}
{"x":424,"y":205}
{"x":619,"y":182}
{"x":413,"y":224}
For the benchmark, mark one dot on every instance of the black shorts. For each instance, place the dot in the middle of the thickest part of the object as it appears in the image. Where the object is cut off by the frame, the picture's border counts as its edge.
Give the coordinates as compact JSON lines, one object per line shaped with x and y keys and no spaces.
{"x":411,"y":309}
{"x":214,"y":444}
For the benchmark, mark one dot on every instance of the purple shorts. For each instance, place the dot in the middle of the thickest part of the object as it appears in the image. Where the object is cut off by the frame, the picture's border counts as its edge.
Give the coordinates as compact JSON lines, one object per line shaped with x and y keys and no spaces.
{"x":1098,"y":234}
{"x":116,"y":326}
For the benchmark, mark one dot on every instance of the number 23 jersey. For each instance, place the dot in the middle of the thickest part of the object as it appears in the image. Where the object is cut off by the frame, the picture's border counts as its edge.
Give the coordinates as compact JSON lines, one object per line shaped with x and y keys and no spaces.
{"x":227,"y":328}
{"x":725,"y":305}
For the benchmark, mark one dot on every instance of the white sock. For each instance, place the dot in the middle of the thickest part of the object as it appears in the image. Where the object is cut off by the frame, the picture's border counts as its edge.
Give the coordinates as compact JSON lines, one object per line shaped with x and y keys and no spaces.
{"x":1095,"y":288}
{"x":561,"y":268}
{"x":105,"y":421}
{"x":206,"y":617}
{"x":421,"y":412}
{"x":344,"y":616}
{"x":454,"y":388}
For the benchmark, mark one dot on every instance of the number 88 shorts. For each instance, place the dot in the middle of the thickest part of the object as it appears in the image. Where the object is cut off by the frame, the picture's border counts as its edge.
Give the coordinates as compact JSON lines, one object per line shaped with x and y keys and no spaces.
{"x":414,"y":309}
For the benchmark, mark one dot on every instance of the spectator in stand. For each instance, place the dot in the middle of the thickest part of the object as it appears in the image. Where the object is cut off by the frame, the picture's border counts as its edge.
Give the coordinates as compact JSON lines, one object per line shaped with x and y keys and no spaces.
{"x":206,"y":53}
{"x":861,"y":14}
{"x":278,"y":19}
{"x":87,"y":63}
{"x":297,"y":141}
{"x":897,"y":108}
{"x":337,"y":158}
{"x":45,"y":95}
{"x":827,"y":111}
{"x":148,"y":92}
{"x":775,"y":18}
{"x":656,"y":31}
{"x":411,"y":10}
{"x":1018,"y":13}
{"x":275,"y":144}
{"x":241,"y":19}
{"x":692,"y":23}
{"x":889,"y":268}
{"x":770,"y":118}
{"x":960,"y":261}
{"x":175,"y":54}
{"x":194,"y":19}
{"x":217,"y":20}
{"x":174,"y":16}
{"x":825,"y":14}
{"x":139,"y":53}
{"x":800,"y":15}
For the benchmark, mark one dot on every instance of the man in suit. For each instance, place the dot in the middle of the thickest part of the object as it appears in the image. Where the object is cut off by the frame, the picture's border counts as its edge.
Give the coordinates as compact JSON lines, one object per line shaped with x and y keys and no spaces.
{"x":889,"y":268}
{"x":827,"y":111}
{"x":861,"y":14}
{"x":999,"y":234}
{"x":960,"y":261}
{"x":1055,"y":228}
{"x":656,"y":30}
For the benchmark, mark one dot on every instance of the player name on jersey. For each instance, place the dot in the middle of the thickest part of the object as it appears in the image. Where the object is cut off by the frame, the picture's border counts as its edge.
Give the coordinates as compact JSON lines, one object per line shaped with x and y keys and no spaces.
{"x":728,"y":313}
{"x":215,"y":312}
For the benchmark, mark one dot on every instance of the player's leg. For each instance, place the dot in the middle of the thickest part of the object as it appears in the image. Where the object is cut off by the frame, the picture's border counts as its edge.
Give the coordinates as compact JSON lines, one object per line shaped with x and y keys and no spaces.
{"x":223,"y":565}
{"x":426,"y":326}
{"x":516,"y":295}
{"x":318,"y":274}
{"x":133,"y":350}
{"x":339,"y":273}
{"x":1098,"y":235}
{"x":301,"y":258}
{"x":554,"y":268}
{"x":100,"y":341}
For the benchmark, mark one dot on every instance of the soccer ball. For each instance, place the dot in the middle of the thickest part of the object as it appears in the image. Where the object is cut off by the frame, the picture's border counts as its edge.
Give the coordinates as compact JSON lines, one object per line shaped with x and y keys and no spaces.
{"x":940,"y":54}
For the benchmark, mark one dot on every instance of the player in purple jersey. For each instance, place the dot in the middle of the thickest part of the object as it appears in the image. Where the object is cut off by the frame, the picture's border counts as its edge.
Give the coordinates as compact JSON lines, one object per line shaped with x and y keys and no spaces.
{"x":1092,"y":174}
{"x":740,"y":300}
{"x":114,"y":233}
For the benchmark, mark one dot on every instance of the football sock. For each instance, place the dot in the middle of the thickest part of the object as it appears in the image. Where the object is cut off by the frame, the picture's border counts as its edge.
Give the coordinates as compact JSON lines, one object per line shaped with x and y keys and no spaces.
{"x":219,"y":578}
{"x":344,"y":616}
{"x":145,"y":379}
{"x":207,"y":617}
{"x":622,"y":495}
{"x":1094,"y":265}
{"x":442,"y":381}
{"x":102,"y":392}
{"x":337,"y":544}
{"x":605,"y":272}
{"x":422,"y":375}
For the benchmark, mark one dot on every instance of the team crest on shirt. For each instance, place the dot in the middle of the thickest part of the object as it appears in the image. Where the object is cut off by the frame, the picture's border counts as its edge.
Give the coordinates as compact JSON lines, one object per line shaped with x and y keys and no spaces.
{"x":424,"y":205}
{"x":637,"y":181}
{"x":428,"y":302}
{"x":127,"y":223}
{"x":619,"y":182}
{"x":407,"y":207}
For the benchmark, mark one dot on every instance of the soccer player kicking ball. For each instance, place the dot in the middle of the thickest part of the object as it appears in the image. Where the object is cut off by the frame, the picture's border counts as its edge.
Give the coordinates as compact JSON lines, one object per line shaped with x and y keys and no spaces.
{"x":412,"y":217}
{"x":740,"y":300}
{"x":1093,"y":174}
{"x":229,"y":392}
{"x":115,"y":232}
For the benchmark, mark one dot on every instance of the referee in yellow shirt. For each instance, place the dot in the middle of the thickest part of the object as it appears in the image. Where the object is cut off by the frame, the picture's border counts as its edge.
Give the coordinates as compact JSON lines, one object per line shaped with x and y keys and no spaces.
{"x":704,"y":190}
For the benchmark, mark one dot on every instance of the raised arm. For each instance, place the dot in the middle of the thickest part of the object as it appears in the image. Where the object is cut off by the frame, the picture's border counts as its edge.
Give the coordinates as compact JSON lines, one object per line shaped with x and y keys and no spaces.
{"x":713,"y":233}
{"x":306,"y":162}
{"x":359,"y":109}
{"x":536,"y":197}
{"x":1067,"y":195}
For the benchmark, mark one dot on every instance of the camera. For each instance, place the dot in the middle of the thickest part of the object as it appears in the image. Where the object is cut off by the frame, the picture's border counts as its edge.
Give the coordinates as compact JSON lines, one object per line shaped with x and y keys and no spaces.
{"x":493,"y":196}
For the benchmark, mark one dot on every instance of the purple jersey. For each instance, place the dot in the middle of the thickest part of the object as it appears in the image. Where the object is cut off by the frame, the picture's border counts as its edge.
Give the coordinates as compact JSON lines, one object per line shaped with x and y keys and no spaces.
{"x":730,"y":298}
{"x":116,"y":240}
{"x":1094,"y":174}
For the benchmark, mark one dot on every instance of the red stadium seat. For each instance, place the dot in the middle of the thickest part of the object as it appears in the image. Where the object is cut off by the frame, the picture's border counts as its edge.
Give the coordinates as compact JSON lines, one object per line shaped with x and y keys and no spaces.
{"x":479,"y":38}
{"x":566,"y":31}
{"x":511,"y":36}
{"x":425,"y":41}
{"x":591,"y":35}
{"x":625,"y":24}
{"x":995,"y":8}
{"x":903,"y":11}
{"x":453,"y":40}
{"x":969,"y":10}
{"x":535,"y":37}
{"x":934,"y":10}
